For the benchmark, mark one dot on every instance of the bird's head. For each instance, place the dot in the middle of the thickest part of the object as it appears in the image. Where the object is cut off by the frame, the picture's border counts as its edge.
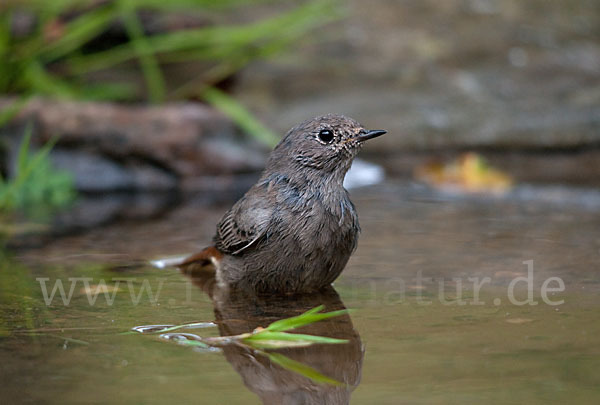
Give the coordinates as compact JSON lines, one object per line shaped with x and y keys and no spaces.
{"x":327,"y":144}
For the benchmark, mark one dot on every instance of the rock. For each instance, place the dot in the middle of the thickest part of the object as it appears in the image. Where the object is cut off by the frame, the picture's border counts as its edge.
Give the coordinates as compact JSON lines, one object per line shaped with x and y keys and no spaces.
{"x":171,"y":135}
{"x":95,"y":210}
{"x":95,"y":173}
{"x":119,"y":147}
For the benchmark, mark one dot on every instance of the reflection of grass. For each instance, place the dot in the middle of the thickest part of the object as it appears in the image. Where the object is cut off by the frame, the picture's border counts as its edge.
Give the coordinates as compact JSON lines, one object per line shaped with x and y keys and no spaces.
{"x":54,"y":58}
{"x":300,"y":368}
{"x":274,"y":336}
{"x":36,"y":189}
{"x":19,"y":303}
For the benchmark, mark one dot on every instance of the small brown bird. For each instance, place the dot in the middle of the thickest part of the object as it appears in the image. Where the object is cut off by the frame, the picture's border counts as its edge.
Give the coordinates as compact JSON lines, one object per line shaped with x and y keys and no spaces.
{"x":296,"y":228}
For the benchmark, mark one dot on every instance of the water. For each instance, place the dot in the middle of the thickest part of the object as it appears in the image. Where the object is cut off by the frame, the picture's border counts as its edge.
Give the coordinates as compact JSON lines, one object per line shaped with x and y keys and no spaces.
{"x":415,"y":335}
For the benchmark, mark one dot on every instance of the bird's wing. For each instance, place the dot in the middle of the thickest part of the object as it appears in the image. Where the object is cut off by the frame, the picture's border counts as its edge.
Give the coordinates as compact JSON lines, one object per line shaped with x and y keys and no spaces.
{"x":242,"y":226}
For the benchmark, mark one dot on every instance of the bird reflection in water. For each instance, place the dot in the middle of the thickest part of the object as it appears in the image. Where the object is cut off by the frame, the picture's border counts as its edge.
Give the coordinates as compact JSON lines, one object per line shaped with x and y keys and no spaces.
{"x":239,"y":312}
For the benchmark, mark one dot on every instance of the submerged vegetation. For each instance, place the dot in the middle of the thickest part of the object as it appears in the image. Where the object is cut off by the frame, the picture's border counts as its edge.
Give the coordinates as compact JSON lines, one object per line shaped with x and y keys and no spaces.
{"x":261,"y":340}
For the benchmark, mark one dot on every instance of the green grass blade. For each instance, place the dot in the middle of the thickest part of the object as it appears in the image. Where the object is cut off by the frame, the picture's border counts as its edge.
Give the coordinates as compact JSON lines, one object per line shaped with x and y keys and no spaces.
{"x":110,"y":91}
{"x":13,"y":191}
{"x":306,"y":318}
{"x":5,"y":49}
{"x":153,"y":77}
{"x":228,"y":64}
{"x":205,"y":41}
{"x":240,"y":115}
{"x":37,"y":189}
{"x":23,"y":154}
{"x":278,"y":344}
{"x":38,"y":80}
{"x":79,"y":31}
{"x":302,"y":369}
{"x":275,"y":340}
{"x":182,"y":5}
{"x":41,"y":154}
{"x":14,"y":108}
{"x":56,"y":7}
{"x":215,"y":42}
{"x":268,"y":335}
{"x":27,"y":164}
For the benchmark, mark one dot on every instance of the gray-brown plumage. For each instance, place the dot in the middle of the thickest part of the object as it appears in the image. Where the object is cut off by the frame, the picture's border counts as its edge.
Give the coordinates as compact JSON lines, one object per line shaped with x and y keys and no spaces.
{"x":296,"y":228}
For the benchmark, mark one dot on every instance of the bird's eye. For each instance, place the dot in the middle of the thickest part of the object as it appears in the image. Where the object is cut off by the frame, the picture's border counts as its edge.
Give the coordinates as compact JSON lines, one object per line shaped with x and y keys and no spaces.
{"x":326,"y":135}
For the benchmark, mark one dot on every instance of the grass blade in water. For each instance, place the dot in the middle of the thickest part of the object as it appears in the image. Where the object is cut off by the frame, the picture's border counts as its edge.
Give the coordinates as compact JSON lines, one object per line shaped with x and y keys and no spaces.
{"x":302,"y":369}
{"x":306,"y":318}
{"x":267,"y":339}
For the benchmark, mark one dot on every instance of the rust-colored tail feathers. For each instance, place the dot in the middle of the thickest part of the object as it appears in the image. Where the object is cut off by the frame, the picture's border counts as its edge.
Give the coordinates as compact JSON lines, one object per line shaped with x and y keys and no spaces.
{"x":207,"y":260}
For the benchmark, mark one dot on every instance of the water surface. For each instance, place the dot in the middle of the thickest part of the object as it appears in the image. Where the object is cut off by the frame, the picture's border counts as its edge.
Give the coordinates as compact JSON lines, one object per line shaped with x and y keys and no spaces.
{"x":419,"y":333}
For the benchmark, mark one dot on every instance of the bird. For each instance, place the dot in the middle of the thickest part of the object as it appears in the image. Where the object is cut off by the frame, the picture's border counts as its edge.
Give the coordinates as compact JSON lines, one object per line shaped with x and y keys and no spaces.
{"x":296,"y":228}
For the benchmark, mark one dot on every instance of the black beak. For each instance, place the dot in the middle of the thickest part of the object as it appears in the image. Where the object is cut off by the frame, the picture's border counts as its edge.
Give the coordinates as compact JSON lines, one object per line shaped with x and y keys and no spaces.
{"x":366,"y":135}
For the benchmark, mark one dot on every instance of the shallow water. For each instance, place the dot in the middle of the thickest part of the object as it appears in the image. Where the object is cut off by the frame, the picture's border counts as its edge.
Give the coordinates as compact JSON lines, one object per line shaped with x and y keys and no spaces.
{"x":419,"y":333}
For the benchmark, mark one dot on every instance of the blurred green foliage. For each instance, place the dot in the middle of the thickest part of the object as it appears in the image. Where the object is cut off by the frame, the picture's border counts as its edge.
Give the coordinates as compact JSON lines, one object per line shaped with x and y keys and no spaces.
{"x":36,"y":189}
{"x":55,"y":49}
{"x":47,"y":55}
